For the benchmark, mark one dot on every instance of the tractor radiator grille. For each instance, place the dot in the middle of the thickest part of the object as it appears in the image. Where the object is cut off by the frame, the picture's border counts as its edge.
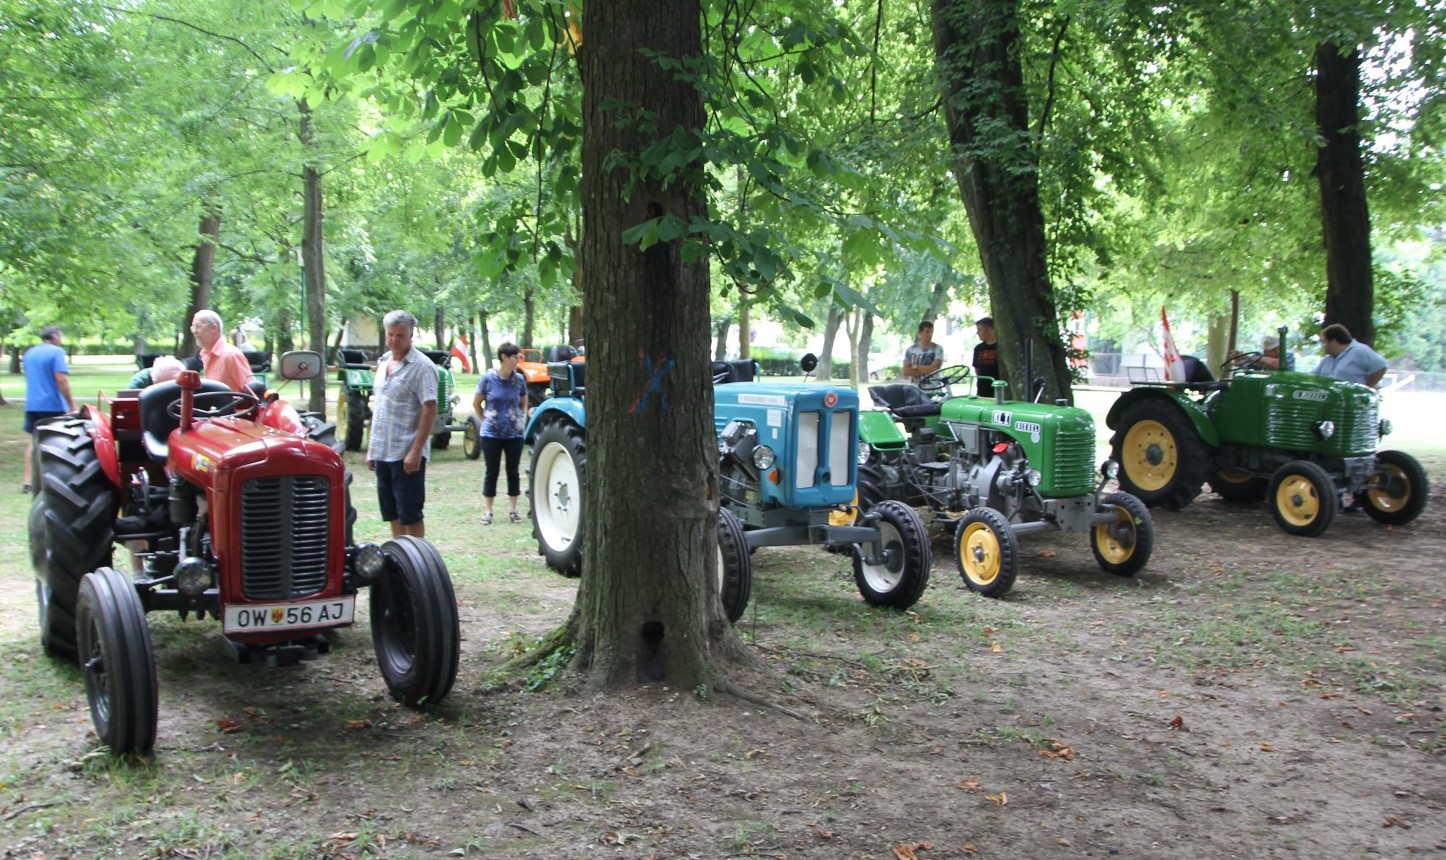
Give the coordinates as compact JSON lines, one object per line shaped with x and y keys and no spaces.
{"x":285,"y":533}
{"x":1074,"y":462}
{"x":1290,"y":425}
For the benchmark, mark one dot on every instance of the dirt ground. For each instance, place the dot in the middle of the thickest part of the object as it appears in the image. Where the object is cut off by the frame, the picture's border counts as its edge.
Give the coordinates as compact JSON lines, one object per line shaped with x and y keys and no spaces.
{"x":1249,"y":695}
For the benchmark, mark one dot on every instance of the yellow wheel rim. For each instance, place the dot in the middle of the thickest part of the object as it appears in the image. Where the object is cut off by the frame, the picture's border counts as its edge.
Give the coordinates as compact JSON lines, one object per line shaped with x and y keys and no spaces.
{"x":1380,"y":492}
{"x":1296,"y":500}
{"x":1149,"y":455}
{"x":979,"y":553}
{"x":1110,"y":538}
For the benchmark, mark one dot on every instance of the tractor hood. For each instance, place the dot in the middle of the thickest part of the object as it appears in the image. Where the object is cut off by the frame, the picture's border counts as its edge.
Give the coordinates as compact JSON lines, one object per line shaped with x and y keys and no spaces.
{"x":213,"y":450}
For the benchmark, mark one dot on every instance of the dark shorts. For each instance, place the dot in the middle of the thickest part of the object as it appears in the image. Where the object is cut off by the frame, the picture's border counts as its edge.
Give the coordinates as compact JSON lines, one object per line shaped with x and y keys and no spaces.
{"x":400,"y":495}
{"x":33,"y":418}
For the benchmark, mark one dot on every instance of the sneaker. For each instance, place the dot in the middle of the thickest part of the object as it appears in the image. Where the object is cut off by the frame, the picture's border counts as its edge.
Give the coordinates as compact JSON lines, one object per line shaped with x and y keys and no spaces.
{"x":486,"y":518}
{"x":516,"y":517}
{"x":25,"y":488}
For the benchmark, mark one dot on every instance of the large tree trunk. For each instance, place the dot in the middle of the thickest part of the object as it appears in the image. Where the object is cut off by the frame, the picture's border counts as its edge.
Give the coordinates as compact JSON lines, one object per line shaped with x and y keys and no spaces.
{"x":313,"y":259}
{"x":1345,"y":218}
{"x":484,"y":361}
{"x":720,"y":340}
{"x":830,"y":334}
{"x":203,"y":267}
{"x":977,"y":46}
{"x":529,"y":316}
{"x":647,"y":610}
{"x":745,"y":326}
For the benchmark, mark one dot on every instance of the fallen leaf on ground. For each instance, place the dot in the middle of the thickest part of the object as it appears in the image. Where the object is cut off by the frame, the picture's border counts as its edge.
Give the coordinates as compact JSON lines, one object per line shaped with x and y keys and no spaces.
{"x":1264,"y":747}
{"x":994,"y":647}
{"x":1178,"y":723}
{"x":968,"y":783}
{"x":906,"y":852}
{"x":1047,"y":553}
{"x":1058,"y":750}
{"x":1393,"y":821}
{"x":354,"y":725}
{"x":228,"y":727}
{"x":970,"y":849}
{"x":1001,"y":798}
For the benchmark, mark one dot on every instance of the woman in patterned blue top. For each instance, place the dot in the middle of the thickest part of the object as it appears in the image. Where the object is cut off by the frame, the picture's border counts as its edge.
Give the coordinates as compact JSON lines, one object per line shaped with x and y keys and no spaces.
{"x":504,"y":416}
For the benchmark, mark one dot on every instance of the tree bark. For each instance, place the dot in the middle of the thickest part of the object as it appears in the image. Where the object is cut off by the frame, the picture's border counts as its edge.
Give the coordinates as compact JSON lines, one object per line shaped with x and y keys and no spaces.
{"x":485,"y":359}
{"x":977,"y":46}
{"x":1340,"y":174}
{"x":830,"y":334}
{"x":745,"y":326}
{"x":647,"y":610}
{"x":313,"y":257}
{"x":529,"y":316}
{"x":203,"y":267}
{"x":720,"y":347}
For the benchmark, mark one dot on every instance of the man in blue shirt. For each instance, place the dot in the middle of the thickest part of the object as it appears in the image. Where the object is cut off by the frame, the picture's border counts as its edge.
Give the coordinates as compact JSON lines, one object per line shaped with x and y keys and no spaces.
{"x":47,"y":389}
{"x":1349,"y":359}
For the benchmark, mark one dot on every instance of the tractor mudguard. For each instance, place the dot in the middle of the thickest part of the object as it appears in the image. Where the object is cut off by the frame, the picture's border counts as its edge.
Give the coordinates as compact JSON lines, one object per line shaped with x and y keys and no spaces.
{"x":879,"y":432}
{"x":103,"y":435}
{"x":1166,"y":398}
{"x":571,"y":407}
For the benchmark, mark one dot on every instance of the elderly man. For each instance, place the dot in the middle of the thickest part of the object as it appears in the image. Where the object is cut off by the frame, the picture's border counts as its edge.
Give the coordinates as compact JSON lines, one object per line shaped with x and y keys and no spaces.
{"x":405,"y":408}
{"x":222,"y":361}
{"x":1349,"y":359}
{"x":163,"y":369}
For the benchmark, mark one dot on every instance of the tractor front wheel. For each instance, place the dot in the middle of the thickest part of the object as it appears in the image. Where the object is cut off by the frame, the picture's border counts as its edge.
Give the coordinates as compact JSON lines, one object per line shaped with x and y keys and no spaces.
{"x":1302,"y":498}
{"x":414,"y":623}
{"x":987,"y":552}
{"x":118,"y":662}
{"x":1397,"y":492}
{"x":559,"y":468}
{"x":1123,"y":545}
{"x":898,"y":576}
{"x":472,"y":438}
{"x":1162,"y":459}
{"x":735,"y":566}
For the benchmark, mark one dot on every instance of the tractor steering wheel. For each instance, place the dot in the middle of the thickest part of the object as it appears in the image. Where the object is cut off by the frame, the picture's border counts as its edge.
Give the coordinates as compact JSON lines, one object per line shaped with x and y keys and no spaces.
{"x":206,"y":405}
{"x":1243,"y":361}
{"x":940,"y":384}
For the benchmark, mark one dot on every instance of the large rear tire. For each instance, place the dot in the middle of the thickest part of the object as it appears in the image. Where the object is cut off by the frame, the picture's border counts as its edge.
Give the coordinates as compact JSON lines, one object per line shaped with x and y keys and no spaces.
{"x":351,"y":415}
{"x":70,"y":527}
{"x":899,"y":577}
{"x":118,"y":662}
{"x":415,"y":629}
{"x":1123,"y":546}
{"x":558,"y":474}
{"x":986,"y":551}
{"x":1303,"y":499}
{"x":735,"y":566}
{"x":1397,"y":494}
{"x":1163,"y":461}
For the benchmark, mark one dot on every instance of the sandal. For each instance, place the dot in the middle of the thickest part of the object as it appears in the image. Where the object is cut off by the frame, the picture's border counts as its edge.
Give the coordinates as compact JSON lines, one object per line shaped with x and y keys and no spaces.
{"x":486,"y":518}
{"x":516,"y":517}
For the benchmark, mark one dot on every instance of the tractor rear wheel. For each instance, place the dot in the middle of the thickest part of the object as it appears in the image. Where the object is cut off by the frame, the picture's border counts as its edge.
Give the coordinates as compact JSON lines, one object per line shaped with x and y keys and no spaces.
{"x":71,"y":523}
{"x":414,"y":623}
{"x":898,"y":577}
{"x":1302,"y":498}
{"x":1163,"y":461}
{"x":472,"y":438}
{"x":351,"y":416}
{"x":1123,"y":546}
{"x":1238,"y":486}
{"x":559,"y":470}
{"x":735,"y":566}
{"x":1397,"y":493}
{"x":987,"y":552}
{"x":118,"y":662}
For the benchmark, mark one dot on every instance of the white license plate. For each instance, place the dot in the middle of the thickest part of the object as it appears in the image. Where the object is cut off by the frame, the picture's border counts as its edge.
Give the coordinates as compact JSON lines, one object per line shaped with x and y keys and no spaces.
{"x":267,"y":617}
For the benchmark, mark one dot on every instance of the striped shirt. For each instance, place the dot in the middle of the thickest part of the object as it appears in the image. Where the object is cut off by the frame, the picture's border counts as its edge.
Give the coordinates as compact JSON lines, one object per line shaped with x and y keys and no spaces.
{"x":398,"y":398}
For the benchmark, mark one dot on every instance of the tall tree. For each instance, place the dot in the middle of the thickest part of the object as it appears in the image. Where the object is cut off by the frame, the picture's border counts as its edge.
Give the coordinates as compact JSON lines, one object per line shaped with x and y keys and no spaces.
{"x":1340,"y":173}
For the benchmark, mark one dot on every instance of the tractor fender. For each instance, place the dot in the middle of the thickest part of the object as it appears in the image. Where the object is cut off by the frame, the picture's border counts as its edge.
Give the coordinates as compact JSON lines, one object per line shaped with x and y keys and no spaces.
{"x":878,"y":430}
{"x":1164,"y":398}
{"x":547,"y":411}
{"x":103,"y":435}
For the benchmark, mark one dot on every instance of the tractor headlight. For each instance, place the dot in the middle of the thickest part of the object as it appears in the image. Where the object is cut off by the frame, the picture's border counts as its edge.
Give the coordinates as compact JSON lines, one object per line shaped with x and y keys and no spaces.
{"x":1324,"y":429}
{"x":1386,"y":427}
{"x":1110,"y":469}
{"x":1032,"y":477}
{"x":764,"y":458}
{"x":194,"y":576}
{"x":865,"y":452}
{"x":369,"y":561}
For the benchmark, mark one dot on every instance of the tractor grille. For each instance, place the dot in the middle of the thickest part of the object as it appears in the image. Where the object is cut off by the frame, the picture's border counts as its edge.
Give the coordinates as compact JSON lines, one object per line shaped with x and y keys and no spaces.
{"x":1290,"y":424}
{"x":1074,"y":461}
{"x":285,"y":531}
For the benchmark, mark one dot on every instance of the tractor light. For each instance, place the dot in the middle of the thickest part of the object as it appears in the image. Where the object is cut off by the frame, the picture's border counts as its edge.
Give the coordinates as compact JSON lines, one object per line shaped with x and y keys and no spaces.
{"x":1324,"y":429}
{"x":368,"y":561}
{"x":1386,"y":427}
{"x":1110,"y":469}
{"x":1033,"y":477}
{"x":764,"y":458}
{"x":194,"y":576}
{"x":865,"y":452}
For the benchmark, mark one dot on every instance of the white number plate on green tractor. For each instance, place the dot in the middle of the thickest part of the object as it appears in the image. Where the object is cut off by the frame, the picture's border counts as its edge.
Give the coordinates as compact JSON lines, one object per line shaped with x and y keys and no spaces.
{"x":266,"y":617}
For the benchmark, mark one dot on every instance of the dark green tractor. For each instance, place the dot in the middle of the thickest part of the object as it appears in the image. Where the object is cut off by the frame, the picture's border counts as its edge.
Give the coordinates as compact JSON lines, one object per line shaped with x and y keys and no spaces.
{"x":1294,"y":440}
{"x":992,"y":470}
{"x":353,"y":401}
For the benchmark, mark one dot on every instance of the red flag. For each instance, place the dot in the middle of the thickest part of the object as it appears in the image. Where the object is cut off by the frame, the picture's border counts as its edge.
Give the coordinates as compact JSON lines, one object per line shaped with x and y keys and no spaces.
{"x":1174,"y":364}
{"x":460,"y":353}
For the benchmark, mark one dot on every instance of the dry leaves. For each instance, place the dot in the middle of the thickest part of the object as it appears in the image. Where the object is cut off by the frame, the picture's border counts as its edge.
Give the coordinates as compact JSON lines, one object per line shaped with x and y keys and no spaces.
{"x":357,"y":725}
{"x":1177,"y":724}
{"x":1058,"y":750}
{"x":906,"y":851}
{"x":1001,"y":798}
{"x":968,"y":784}
{"x":228,"y":727}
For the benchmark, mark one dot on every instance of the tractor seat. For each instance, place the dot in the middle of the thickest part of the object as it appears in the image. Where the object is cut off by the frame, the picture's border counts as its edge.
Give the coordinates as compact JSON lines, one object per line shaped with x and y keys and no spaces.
{"x":903,"y":400}
{"x":157,"y":422}
{"x":742,"y":370}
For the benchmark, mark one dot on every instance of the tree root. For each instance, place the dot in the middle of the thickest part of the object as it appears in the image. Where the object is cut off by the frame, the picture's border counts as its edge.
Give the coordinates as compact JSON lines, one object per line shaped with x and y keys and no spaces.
{"x":727,"y":688}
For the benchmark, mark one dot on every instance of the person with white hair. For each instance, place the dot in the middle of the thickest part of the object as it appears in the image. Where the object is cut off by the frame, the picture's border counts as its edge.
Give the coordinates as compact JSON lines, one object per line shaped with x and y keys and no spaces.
{"x":405,"y":397}
{"x":163,"y":369}
{"x":222,"y":361}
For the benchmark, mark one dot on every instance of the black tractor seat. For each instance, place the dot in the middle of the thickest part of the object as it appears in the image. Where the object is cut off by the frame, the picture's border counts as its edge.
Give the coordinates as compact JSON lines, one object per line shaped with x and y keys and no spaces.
{"x":903,"y":400}
{"x":157,"y":422}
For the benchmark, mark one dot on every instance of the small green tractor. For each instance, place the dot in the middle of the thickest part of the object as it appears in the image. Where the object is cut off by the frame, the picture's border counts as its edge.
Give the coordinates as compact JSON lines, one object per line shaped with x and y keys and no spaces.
{"x":353,"y":402}
{"x":995,"y":469}
{"x":1297,"y":441}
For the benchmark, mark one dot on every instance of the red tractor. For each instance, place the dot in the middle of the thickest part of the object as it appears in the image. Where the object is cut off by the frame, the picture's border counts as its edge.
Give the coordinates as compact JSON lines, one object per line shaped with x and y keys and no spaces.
{"x":233,"y":507}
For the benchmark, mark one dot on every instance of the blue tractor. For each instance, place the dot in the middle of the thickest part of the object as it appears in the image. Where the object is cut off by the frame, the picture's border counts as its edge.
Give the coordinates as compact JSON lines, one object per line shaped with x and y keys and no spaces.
{"x":786,"y":461}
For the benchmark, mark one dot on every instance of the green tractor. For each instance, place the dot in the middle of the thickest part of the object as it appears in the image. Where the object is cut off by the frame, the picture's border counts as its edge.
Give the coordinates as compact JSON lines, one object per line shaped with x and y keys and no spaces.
{"x":353,"y":402}
{"x":1297,"y":441}
{"x":993,"y":470}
